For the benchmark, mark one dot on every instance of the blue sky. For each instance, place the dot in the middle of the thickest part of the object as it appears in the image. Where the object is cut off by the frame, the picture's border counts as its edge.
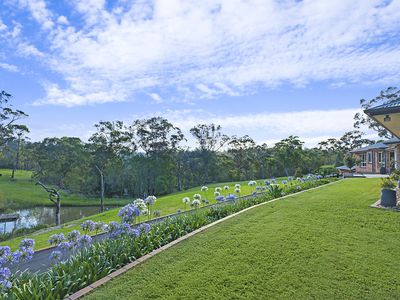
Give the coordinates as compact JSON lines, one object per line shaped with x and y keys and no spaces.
{"x":264,"y":68}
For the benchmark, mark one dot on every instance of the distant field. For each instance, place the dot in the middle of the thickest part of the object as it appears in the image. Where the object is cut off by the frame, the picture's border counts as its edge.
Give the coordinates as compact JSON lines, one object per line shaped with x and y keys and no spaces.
{"x":22,"y":193}
{"x":321,"y":244}
{"x":166,"y":204}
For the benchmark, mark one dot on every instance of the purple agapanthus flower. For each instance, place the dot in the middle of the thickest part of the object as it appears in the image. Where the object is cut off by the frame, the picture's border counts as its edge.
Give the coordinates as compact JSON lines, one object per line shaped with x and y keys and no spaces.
{"x":145,"y":227}
{"x":73,"y":236}
{"x":88,"y":225}
{"x":55,"y":255}
{"x":230,"y":197}
{"x":27,"y":243}
{"x":26,"y":254}
{"x":65,"y":246}
{"x":85,"y":239}
{"x":220,"y":198}
{"x":5,"y":251}
{"x":5,"y":275}
{"x":128,"y":213}
{"x":55,"y":239}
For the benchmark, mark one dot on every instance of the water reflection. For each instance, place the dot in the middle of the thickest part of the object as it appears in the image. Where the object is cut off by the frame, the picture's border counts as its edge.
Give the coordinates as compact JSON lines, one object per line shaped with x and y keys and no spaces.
{"x":30,"y":217}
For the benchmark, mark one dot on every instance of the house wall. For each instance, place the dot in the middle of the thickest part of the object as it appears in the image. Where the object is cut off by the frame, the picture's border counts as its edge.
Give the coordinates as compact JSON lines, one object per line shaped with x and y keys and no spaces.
{"x":374,"y":167}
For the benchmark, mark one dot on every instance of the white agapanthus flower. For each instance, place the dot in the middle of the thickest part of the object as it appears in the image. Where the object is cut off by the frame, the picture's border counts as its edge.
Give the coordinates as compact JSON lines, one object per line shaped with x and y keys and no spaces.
{"x":237,"y":186}
{"x":252,"y":183}
{"x":216,"y":194}
{"x":139,"y":203}
{"x":226,"y":187}
{"x":196,"y":203}
{"x":237,"y":190}
{"x":151,"y":200}
{"x":186,"y":200}
{"x":218,"y":189}
{"x":197,"y":196}
{"x":204,"y":188}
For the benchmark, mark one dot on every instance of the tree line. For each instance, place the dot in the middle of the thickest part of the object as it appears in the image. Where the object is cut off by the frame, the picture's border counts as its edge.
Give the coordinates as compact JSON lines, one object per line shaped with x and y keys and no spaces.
{"x":149,"y":156}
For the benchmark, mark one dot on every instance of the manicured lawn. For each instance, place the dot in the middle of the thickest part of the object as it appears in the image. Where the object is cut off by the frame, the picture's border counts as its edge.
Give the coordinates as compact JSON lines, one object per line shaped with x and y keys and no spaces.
{"x":22,"y":193}
{"x":166,"y":204}
{"x":322,"y":244}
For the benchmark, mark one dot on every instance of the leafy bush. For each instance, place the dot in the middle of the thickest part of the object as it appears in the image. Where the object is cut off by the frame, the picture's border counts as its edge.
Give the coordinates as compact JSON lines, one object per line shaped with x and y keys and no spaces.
{"x":387,"y":183}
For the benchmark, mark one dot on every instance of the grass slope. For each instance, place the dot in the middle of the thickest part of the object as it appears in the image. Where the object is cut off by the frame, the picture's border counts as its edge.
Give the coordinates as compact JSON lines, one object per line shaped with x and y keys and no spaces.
{"x":321,"y":244}
{"x":166,"y":204}
{"x":22,"y":193}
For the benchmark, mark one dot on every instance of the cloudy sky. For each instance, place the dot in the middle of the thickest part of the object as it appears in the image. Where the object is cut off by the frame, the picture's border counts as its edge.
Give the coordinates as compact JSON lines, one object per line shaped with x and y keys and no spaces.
{"x":264,"y":68}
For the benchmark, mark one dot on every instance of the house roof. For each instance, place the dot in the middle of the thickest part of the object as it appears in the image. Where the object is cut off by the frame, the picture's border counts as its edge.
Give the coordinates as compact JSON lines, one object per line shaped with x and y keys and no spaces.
{"x":345,"y":168}
{"x":393,"y":140}
{"x":381,"y":145}
{"x":391,"y":107}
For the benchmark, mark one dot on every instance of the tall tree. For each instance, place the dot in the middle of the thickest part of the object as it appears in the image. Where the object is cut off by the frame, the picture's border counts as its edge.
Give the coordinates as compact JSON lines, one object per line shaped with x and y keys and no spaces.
{"x":289,"y":153}
{"x":239,"y":148}
{"x":210,"y":139}
{"x":9,"y":118}
{"x":160,"y":140}
{"x":20,"y":131}
{"x":110,"y":143}
{"x":388,"y":96}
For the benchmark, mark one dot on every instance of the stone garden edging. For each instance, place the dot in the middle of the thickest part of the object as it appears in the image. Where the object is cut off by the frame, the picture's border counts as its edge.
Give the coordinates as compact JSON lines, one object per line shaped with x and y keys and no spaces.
{"x":96,"y":284}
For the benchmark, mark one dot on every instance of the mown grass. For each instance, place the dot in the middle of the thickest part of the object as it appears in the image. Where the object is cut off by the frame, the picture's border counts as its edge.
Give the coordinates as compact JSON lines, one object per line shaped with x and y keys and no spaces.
{"x":23,"y":193}
{"x":166,"y":205}
{"x":322,"y":244}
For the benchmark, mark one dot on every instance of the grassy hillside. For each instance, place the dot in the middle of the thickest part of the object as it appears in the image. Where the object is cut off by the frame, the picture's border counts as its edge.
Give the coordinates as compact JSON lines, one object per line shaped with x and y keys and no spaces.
{"x":22,"y":193}
{"x":166,"y":204}
{"x":322,"y":244}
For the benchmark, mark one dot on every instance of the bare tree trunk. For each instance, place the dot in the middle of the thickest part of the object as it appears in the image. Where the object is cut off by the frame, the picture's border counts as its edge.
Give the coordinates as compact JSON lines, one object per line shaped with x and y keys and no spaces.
{"x":54,"y":196}
{"x":16,"y":163}
{"x":58,"y":212}
{"x":101,"y":189}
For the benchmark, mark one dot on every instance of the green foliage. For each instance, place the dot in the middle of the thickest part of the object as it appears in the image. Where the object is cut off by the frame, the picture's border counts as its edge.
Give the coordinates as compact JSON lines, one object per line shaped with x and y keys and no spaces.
{"x":395,"y":175}
{"x":327,"y":170}
{"x":274,"y":191}
{"x":351,"y":160}
{"x":387,"y":183}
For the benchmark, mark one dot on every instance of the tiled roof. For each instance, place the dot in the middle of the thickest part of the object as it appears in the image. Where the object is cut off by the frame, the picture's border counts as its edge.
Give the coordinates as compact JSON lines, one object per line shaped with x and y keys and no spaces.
{"x":384,"y":108}
{"x":381,"y":145}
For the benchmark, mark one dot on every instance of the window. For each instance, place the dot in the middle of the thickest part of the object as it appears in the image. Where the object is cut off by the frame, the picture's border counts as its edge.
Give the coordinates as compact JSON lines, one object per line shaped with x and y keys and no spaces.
{"x":370,"y":157}
{"x":363,"y":160}
{"x":380,"y":159}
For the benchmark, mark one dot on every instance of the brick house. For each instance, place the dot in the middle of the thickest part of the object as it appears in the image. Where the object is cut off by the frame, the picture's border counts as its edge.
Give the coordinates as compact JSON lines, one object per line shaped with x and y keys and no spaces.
{"x":382,"y":157}
{"x":379,"y":158}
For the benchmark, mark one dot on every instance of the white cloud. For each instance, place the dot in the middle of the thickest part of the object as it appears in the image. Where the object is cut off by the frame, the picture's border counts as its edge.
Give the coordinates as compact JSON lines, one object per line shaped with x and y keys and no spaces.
{"x":156,"y":98}
{"x":214,"y":47}
{"x":8,"y":67}
{"x":264,"y":127}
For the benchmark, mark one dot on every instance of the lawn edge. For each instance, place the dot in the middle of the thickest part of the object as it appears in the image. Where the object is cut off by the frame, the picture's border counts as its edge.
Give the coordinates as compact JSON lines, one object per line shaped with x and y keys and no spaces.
{"x":86,"y":290}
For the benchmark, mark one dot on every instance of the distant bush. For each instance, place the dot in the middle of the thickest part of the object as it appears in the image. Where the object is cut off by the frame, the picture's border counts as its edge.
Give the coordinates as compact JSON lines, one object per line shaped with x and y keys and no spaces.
{"x":327,"y":170}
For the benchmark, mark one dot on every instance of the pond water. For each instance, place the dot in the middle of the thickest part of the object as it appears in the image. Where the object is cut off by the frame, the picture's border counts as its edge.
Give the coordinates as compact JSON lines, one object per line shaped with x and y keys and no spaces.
{"x":30,"y":217}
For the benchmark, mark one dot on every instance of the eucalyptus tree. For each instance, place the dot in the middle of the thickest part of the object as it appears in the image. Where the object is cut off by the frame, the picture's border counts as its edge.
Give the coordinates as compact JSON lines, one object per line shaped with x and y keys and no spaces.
{"x":9,"y":118}
{"x":210,"y":140}
{"x":159,"y":139}
{"x":288,"y":153}
{"x":109,"y":145}
{"x":59,"y":161}
{"x":241,"y":150}
{"x":19,"y":132}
